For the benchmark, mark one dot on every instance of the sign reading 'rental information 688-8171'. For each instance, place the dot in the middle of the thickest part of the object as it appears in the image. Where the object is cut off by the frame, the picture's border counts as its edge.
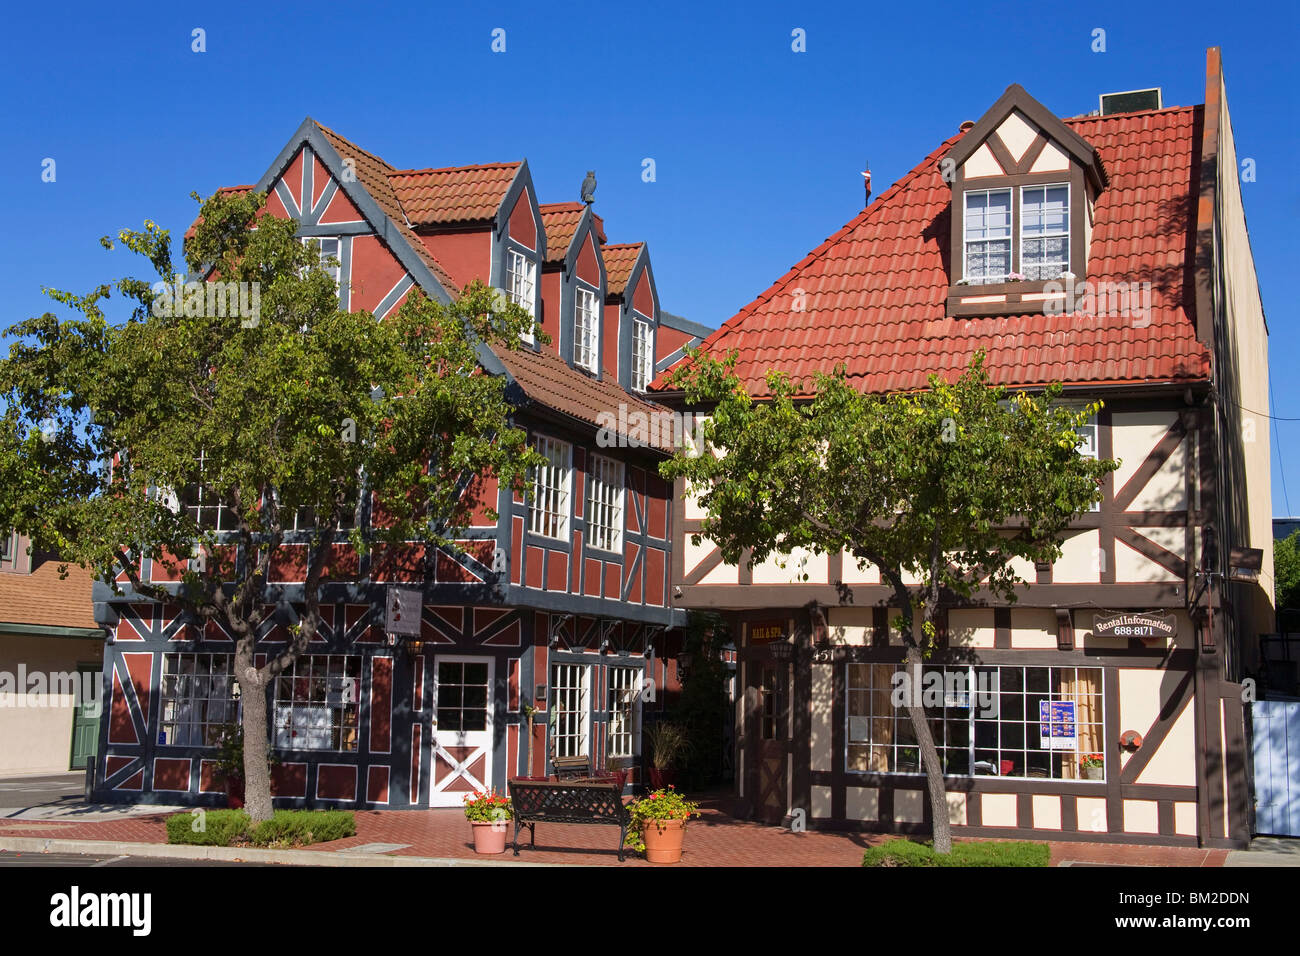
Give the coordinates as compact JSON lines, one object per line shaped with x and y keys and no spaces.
{"x":1135,"y":625}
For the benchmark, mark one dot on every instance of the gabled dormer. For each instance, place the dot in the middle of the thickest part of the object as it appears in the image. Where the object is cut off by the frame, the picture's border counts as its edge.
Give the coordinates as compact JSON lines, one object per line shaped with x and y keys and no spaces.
{"x":480,"y":222}
{"x":574,"y":285}
{"x":1023,"y":190}
{"x":631,"y":315}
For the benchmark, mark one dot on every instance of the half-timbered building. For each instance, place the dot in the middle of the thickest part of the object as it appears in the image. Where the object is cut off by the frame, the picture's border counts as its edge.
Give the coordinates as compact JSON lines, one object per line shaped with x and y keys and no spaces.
{"x":1106,"y":702}
{"x":537,"y":638}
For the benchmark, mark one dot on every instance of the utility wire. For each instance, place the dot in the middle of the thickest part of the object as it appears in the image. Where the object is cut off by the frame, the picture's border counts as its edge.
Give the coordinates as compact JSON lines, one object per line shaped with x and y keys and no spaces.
{"x":1281,"y":468}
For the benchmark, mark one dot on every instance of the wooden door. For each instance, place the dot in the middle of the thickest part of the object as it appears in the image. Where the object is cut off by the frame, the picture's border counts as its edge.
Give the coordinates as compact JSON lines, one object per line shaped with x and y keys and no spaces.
{"x":768,"y":730}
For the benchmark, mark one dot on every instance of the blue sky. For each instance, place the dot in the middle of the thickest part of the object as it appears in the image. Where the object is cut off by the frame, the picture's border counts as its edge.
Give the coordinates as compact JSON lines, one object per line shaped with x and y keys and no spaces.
{"x":756,"y":148}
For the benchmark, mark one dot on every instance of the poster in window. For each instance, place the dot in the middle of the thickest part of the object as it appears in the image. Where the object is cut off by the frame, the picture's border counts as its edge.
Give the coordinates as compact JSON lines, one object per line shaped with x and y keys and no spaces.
{"x":1058,"y":725}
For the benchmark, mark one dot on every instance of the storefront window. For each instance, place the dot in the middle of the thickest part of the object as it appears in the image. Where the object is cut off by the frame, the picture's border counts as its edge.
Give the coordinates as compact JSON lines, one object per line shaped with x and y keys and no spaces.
{"x":199,"y":697}
{"x":1025,"y":722}
{"x":316,"y":703}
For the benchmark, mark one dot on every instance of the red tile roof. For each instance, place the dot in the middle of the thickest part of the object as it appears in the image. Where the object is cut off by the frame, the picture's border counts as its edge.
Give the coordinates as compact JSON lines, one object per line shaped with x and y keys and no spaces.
{"x":619,"y":260}
{"x":474,"y":193}
{"x":43,"y":598}
{"x":455,"y":195}
{"x":222,"y":190}
{"x":561,"y":221}
{"x":874,"y":293}
{"x":547,"y":379}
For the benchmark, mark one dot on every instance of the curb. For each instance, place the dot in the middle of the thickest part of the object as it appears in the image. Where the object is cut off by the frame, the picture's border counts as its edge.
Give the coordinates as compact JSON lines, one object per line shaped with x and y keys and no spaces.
{"x":231,"y":854}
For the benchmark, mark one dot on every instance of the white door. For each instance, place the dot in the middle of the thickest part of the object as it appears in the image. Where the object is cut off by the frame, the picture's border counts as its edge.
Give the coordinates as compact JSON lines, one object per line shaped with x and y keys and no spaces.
{"x":462,"y":728}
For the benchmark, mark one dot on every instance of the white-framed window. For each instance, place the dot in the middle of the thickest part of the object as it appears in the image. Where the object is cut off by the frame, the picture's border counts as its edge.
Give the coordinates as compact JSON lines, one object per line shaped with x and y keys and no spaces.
{"x":199,"y":698}
{"x":463,"y":696}
{"x":643,"y":354}
{"x":988,"y":235}
{"x":317,"y":702}
{"x":1044,"y":231}
{"x":605,"y":504}
{"x":552,"y":485}
{"x":570,"y":710}
{"x":204,"y":505}
{"x":586,"y":330}
{"x":987,"y":721}
{"x":1088,"y":446}
{"x":331,"y":255}
{"x":624,"y":692}
{"x":521,"y":283}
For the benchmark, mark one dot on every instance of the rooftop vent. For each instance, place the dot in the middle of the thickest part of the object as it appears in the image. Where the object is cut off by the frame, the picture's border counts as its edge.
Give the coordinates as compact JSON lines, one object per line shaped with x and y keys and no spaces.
{"x":1132,"y":101}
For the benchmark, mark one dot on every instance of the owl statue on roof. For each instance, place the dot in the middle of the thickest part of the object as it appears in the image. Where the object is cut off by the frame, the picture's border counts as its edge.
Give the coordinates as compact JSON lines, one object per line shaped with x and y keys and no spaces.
{"x":589,"y":187}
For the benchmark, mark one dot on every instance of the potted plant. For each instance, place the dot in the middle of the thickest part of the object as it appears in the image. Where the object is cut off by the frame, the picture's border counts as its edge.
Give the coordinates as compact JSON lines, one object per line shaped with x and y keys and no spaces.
{"x":1094,"y":766}
{"x":666,"y":741}
{"x":659,"y":824}
{"x":488,"y":813}
{"x":617,"y":769}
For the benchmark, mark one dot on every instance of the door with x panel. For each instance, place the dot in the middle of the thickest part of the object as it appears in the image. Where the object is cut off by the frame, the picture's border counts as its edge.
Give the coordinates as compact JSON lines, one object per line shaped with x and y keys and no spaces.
{"x":462,"y":728}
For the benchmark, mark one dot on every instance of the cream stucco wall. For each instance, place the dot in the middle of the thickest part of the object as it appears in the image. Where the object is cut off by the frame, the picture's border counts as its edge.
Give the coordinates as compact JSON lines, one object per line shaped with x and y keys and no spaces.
{"x":36,"y":729}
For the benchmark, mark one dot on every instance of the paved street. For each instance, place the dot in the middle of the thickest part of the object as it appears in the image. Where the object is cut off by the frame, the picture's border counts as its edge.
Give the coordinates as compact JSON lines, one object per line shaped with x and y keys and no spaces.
{"x":84,"y":860}
{"x":41,"y":790}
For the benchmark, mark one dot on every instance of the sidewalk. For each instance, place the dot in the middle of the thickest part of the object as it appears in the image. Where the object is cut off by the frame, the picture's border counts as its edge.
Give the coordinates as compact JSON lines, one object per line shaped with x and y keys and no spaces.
{"x":442,"y":837}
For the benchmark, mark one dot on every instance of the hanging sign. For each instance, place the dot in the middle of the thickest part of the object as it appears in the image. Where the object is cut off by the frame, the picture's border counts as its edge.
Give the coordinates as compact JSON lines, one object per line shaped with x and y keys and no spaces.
{"x":1141,"y":625}
{"x":402,"y":614}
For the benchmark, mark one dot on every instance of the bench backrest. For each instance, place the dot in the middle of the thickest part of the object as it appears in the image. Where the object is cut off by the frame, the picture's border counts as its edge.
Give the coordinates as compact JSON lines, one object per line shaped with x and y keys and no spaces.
{"x":559,"y":799}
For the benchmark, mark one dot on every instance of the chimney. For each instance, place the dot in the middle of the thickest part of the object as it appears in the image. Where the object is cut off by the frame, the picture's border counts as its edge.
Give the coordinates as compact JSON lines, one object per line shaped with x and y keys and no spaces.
{"x":966,"y":125}
{"x":866,"y":181}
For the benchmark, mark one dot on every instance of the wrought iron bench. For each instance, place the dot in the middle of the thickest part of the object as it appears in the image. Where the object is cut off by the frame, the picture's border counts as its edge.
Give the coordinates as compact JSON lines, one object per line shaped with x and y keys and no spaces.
{"x":567,"y":801}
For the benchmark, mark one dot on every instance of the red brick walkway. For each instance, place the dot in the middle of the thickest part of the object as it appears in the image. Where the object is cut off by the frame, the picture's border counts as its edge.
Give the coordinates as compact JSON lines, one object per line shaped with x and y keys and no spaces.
{"x":715,"y":839}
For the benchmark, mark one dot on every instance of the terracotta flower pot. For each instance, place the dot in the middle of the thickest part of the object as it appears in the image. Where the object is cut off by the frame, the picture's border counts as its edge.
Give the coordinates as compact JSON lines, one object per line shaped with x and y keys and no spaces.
{"x":489,"y":836}
{"x":663,"y":840}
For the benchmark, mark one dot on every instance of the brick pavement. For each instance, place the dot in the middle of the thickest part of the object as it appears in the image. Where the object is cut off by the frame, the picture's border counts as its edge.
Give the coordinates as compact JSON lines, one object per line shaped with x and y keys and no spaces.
{"x":715,"y":839}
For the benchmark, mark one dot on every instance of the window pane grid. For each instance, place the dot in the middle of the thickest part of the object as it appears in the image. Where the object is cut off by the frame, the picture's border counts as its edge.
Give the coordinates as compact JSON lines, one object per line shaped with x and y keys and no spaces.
{"x":1044,"y":231}
{"x":990,"y":721}
{"x":462,"y":695}
{"x":199,"y":697}
{"x":624,"y":687}
{"x":316,"y":703}
{"x":988,"y":235}
{"x":569,"y":703}
{"x":204,"y":506}
{"x":642,"y":355}
{"x":584,"y":330}
{"x":549,"y":514}
{"x":605,"y":504}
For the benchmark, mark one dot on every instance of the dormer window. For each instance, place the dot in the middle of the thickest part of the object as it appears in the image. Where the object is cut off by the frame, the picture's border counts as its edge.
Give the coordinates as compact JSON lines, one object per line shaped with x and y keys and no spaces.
{"x":1043,"y":251}
{"x":643,"y":354}
{"x":521,"y":281}
{"x":586,"y":325}
{"x":1044,"y":231}
{"x":988,"y":235}
{"x":1024,"y":185}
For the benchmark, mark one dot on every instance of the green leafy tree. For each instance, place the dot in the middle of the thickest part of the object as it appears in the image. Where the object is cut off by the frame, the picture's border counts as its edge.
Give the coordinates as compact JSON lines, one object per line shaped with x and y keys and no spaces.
{"x":943,"y":487}
{"x":295,"y":420}
{"x":1286,"y":572}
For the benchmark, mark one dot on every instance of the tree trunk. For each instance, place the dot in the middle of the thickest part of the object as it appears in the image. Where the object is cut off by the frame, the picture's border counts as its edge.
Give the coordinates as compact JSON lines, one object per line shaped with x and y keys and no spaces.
{"x":929,"y":755}
{"x":257,"y":775}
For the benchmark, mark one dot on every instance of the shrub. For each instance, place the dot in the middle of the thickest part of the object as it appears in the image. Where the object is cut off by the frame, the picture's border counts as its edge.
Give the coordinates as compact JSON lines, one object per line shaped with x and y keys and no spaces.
{"x":899,"y":852}
{"x":219,"y":827}
{"x":286,"y":828}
